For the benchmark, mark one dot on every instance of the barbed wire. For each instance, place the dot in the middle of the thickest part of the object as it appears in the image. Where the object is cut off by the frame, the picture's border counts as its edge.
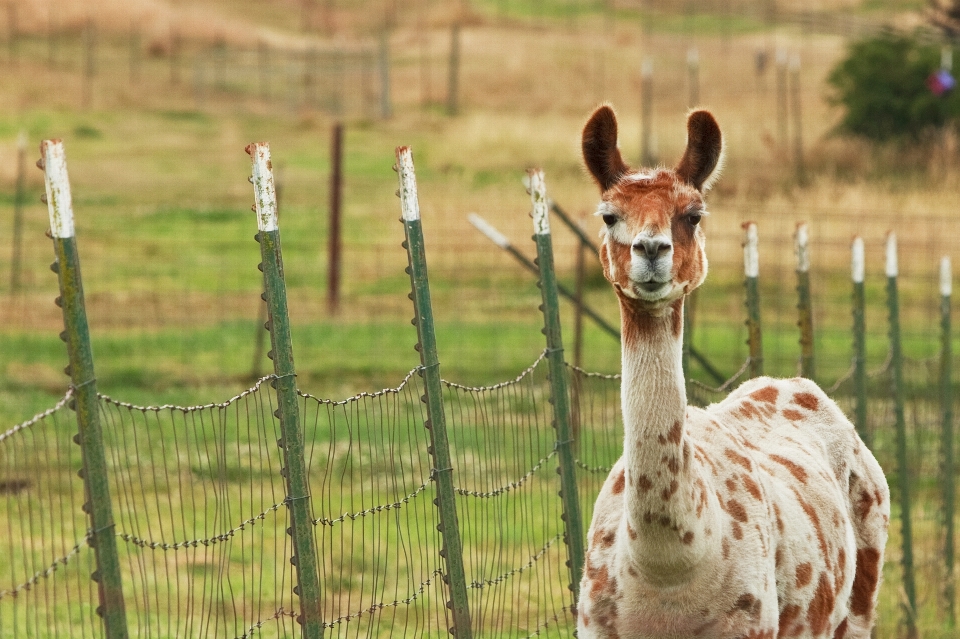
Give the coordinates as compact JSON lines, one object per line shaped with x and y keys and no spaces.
{"x":260,"y":624}
{"x":363,"y":395}
{"x":393,"y":604}
{"x":49,"y":570}
{"x":511,"y":382}
{"x":188,"y":409}
{"x":193,"y":543}
{"x":555,"y":618}
{"x":593,"y":469}
{"x":516,"y":571}
{"x":724,"y":386}
{"x":38,"y":417}
{"x":323,"y":521}
{"x":585,"y":373}
{"x":508,"y":487}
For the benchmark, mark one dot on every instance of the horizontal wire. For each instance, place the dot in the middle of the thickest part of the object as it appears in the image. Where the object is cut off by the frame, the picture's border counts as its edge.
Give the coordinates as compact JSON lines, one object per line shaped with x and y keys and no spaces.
{"x":511,"y":486}
{"x":193,"y":543}
{"x":49,"y":570}
{"x":38,"y":417}
{"x":516,"y":571}
{"x":380,"y":606}
{"x":323,"y":521}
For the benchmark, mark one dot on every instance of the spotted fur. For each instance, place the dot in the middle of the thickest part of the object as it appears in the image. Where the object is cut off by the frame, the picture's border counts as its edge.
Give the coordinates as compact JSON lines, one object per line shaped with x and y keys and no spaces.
{"x":761,"y":516}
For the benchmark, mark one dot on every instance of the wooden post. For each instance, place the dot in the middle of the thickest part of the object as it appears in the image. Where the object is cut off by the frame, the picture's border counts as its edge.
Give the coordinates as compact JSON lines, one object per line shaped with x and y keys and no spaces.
{"x":17,"y":254}
{"x":647,"y":155}
{"x":693,"y":76}
{"x":453,"y":80}
{"x":336,"y":187}
{"x":796,"y":99}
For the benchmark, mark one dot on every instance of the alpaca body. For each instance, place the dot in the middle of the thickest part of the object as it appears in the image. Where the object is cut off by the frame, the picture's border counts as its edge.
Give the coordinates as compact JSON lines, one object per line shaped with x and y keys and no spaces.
{"x":775,"y":459}
{"x":761,"y":516}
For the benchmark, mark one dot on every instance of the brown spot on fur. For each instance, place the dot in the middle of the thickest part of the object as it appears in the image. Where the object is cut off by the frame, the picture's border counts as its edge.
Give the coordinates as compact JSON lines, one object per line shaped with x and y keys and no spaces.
{"x":811,"y":513}
{"x":748,"y":604}
{"x":673,"y":464}
{"x":725,"y":548}
{"x":631,"y":532}
{"x":778,"y":558}
{"x":821,"y":607}
{"x":667,"y":493}
{"x":841,"y":570}
{"x":644,"y":483}
{"x":736,"y":510}
{"x":841,"y":630}
{"x":619,"y":482}
{"x":795,"y":469}
{"x":792,"y":415}
{"x":737,"y":531}
{"x":779,"y":520}
{"x":749,"y":410}
{"x":731,"y":484}
{"x":864,"y":504}
{"x":751,"y":486}
{"x":687,"y":538}
{"x":806,"y":400}
{"x":804,"y":574}
{"x":737,"y":458}
{"x":632,"y":571}
{"x":865,"y":581}
{"x":788,"y":615}
{"x":766,"y":394}
{"x":673,"y":436}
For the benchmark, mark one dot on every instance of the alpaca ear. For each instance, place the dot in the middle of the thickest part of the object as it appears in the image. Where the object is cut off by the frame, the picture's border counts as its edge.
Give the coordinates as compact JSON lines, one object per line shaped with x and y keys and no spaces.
{"x":600,"y":150}
{"x":702,"y":161}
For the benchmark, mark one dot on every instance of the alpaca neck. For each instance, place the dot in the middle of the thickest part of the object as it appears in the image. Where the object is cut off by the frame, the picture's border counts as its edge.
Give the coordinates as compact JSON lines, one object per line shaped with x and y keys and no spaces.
{"x":665,"y":495}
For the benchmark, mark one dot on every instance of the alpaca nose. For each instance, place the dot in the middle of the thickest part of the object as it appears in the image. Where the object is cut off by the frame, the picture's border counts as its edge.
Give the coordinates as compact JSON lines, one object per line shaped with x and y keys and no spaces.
{"x":652,"y":247}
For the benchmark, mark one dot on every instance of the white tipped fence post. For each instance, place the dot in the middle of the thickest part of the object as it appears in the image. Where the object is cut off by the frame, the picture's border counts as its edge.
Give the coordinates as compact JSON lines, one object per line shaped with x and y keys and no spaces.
{"x":562,"y":423}
{"x":903,"y":470}
{"x":83,"y":386}
{"x":299,"y":507}
{"x":442,"y":474}
{"x":948,"y":474}
{"x":751,"y":271}
{"x":859,"y":340}
{"x":804,"y":302}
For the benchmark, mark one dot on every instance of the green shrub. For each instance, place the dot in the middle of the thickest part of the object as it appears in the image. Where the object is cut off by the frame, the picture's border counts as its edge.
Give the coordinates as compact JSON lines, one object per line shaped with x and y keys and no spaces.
{"x":882,"y":84}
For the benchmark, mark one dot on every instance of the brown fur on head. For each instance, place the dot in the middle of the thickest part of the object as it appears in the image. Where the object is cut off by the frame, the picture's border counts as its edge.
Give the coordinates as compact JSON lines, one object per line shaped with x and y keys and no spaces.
{"x":653,"y":246}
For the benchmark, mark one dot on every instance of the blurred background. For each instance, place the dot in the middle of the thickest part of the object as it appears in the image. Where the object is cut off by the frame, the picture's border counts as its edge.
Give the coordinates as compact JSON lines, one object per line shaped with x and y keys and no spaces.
{"x":841,"y":114}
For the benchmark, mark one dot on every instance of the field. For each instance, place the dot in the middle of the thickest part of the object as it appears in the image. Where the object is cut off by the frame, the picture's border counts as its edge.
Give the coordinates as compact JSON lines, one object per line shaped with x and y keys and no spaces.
{"x":165,"y":234}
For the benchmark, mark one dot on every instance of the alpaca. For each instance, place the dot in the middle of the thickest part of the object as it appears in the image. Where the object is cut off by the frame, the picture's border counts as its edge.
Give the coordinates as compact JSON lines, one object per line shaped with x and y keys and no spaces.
{"x":761,"y":516}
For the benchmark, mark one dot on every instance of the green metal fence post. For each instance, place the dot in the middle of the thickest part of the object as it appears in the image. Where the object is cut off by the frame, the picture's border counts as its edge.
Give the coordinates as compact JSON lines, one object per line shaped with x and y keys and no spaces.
{"x":903,"y":475}
{"x":751,"y":271}
{"x":859,"y":340}
{"x":436,"y":423}
{"x":804,"y":303}
{"x":285,"y":382}
{"x":84,"y":387}
{"x":948,"y":476}
{"x":572,"y":518}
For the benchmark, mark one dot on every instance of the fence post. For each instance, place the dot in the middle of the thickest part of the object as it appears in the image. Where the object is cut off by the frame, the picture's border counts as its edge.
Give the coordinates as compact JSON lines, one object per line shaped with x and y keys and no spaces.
{"x":751,"y":271}
{"x":453,"y":78}
{"x":903,"y":475}
{"x":859,"y":340}
{"x":430,"y":372}
{"x":336,"y":184}
{"x":284,"y":381}
{"x":102,"y":534}
{"x":804,"y":303}
{"x":17,"y":254}
{"x":573,"y":522}
{"x":948,"y":476}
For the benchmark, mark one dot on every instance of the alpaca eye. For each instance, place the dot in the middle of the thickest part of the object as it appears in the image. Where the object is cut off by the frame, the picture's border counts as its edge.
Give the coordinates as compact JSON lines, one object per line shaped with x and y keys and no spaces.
{"x":609,"y":219}
{"x":694,"y":219}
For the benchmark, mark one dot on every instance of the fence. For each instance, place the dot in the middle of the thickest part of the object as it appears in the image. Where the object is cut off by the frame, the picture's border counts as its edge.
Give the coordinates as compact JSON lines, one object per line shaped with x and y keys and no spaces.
{"x":279,"y":513}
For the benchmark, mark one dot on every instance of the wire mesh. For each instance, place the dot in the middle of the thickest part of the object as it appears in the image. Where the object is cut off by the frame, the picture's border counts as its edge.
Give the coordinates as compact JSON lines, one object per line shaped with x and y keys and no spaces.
{"x":45,"y":562}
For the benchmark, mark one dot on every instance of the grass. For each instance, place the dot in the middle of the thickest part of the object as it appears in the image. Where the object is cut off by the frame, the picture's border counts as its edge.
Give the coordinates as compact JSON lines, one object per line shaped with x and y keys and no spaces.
{"x":169,"y":265}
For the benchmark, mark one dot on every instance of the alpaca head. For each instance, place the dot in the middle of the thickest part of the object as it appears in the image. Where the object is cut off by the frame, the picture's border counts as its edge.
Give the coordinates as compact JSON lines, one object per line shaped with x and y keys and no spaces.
{"x":652,"y":244}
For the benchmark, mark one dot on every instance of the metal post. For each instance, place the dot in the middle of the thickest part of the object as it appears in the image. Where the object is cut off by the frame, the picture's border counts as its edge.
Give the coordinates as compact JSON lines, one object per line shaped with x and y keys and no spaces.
{"x":103,"y":536}
{"x":804,"y":303}
{"x":903,"y":473}
{"x":17,"y":254}
{"x":436,"y":419}
{"x":336,"y":183}
{"x":285,"y":383}
{"x":453,"y":79}
{"x":751,"y":270}
{"x":948,"y":476}
{"x":859,"y":341}
{"x":573,"y":523}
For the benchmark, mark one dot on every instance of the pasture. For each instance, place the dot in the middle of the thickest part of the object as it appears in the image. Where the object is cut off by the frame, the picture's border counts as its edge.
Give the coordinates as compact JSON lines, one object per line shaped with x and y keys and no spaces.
{"x":170,"y":274}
